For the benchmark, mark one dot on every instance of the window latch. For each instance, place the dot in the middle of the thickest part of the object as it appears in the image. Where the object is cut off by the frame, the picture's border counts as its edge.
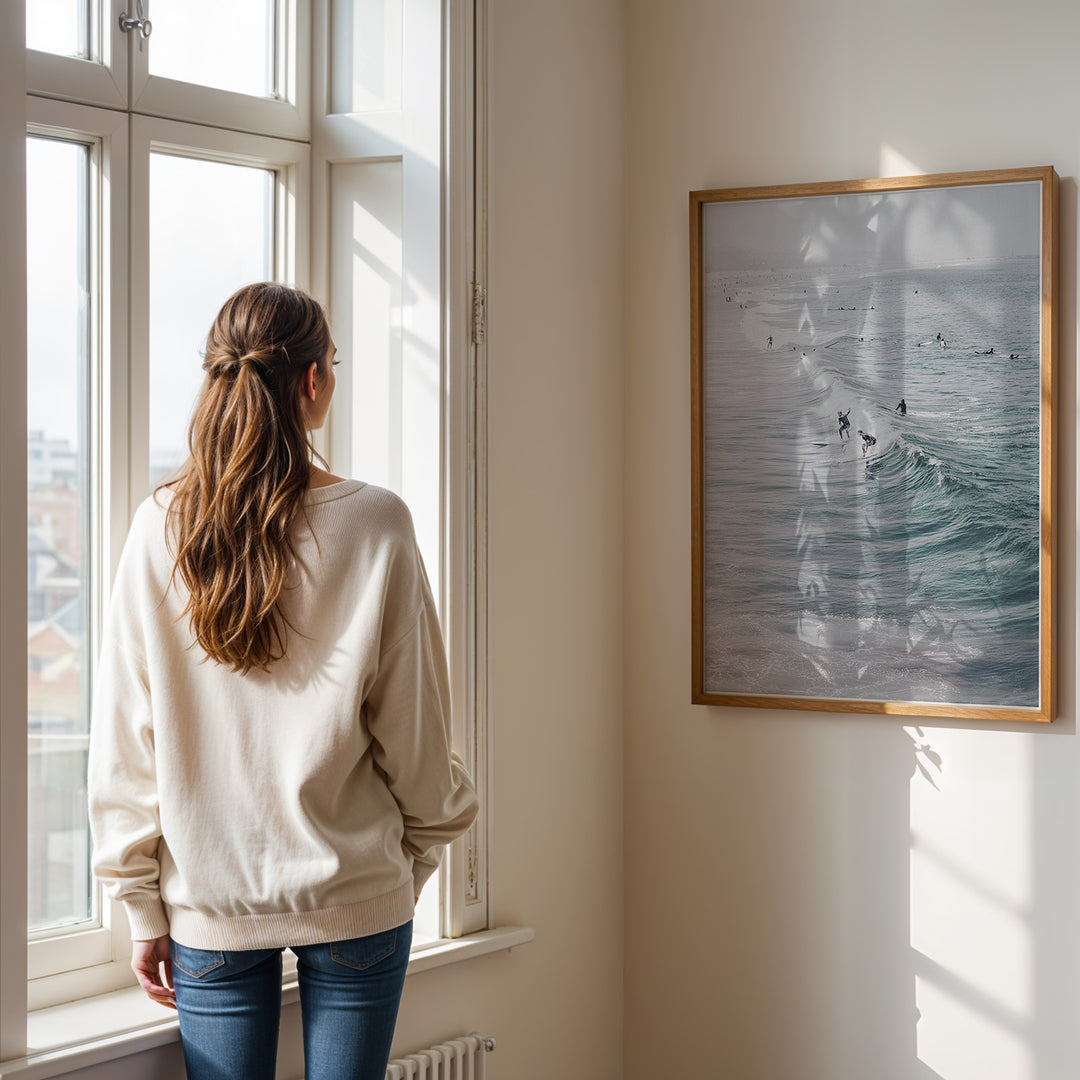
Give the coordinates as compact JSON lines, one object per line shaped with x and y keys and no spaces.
{"x":142,"y":24}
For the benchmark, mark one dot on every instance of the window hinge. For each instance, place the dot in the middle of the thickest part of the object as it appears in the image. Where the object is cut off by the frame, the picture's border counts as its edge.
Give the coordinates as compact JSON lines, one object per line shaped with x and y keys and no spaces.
{"x":479,"y":313}
{"x":473,"y":867}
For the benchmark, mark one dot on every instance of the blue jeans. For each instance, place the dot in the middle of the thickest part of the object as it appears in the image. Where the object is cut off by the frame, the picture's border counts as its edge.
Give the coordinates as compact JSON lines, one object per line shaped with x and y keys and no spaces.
{"x":230,"y":1007}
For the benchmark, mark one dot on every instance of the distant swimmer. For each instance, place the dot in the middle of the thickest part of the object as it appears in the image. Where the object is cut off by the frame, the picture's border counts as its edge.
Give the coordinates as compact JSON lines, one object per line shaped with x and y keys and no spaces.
{"x":844,"y":422}
{"x":1014,"y":356}
{"x":901,"y":408}
{"x":867,"y":441}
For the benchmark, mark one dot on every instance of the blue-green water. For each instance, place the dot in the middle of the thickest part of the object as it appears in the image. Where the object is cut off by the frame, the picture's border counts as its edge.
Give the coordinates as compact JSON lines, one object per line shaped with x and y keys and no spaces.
{"x":910,"y":573}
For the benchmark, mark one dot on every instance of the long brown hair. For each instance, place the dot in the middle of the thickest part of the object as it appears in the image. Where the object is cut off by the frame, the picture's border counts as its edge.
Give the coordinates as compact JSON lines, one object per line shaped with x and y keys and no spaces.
{"x":242,"y":488}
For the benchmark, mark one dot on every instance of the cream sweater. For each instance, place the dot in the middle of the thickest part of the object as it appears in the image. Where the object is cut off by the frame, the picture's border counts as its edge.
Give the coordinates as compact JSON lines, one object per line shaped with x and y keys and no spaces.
{"x":303,"y":805}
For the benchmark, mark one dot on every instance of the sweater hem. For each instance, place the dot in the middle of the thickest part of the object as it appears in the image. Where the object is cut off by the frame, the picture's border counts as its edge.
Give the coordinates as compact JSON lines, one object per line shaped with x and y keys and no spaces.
{"x":282,"y":929}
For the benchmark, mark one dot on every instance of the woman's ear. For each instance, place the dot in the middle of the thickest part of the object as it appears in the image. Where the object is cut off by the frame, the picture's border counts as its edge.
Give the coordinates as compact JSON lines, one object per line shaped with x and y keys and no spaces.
{"x":309,"y":380}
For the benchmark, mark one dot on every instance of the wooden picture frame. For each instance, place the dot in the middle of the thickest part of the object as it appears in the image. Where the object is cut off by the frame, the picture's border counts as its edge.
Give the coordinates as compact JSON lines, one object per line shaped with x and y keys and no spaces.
{"x":872,"y":414}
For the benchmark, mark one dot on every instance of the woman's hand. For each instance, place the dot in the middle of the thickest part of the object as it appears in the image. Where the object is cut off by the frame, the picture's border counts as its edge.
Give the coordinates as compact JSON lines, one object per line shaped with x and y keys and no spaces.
{"x":153,"y":968}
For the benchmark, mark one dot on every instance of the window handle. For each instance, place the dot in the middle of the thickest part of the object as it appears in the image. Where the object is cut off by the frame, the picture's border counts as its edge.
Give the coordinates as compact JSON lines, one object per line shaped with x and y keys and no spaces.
{"x":142,"y":24}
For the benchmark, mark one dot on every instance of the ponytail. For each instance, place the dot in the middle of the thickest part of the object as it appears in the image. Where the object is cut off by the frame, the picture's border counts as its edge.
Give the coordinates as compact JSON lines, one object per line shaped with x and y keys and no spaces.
{"x":237,"y":498}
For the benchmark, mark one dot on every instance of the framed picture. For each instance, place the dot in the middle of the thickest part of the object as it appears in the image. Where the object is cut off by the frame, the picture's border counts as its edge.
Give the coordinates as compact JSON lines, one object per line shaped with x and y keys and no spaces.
{"x":873,"y":445}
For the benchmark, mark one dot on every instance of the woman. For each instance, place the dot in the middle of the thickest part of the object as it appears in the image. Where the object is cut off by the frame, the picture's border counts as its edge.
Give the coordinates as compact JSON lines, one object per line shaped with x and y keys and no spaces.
{"x":270,"y":759}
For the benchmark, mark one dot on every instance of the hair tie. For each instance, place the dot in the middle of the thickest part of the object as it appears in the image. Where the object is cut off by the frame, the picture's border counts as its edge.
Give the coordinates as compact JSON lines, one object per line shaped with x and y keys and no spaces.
{"x":230,"y":364}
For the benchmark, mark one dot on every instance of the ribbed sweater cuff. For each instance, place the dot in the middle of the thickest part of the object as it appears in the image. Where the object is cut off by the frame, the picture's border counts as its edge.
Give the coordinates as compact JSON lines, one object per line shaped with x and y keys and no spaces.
{"x":146,"y":918}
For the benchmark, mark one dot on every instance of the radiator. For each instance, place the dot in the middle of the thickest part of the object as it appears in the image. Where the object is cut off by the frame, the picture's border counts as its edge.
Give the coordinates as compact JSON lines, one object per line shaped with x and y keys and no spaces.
{"x":456,"y":1059}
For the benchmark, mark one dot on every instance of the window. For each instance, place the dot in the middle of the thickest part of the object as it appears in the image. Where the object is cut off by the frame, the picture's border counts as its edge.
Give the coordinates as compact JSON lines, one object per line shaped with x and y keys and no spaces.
{"x":142,"y":155}
{"x":125,"y":254}
{"x":58,"y":227}
{"x":395,"y":263}
{"x":61,"y":28}
{"x":239,"y":54}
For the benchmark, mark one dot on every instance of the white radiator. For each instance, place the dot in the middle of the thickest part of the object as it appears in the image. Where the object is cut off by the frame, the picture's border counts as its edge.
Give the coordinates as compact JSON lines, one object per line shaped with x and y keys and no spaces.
{"x":457,"y":1059}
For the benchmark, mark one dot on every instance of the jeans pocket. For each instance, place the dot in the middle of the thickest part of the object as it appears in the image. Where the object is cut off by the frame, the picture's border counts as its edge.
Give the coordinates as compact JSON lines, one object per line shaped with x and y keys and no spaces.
{"x":364,"y":952}
{"x":195,"y":962}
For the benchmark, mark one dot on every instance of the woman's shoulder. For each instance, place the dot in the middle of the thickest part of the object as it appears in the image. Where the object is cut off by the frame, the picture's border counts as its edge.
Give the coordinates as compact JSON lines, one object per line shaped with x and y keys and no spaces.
{"x":151,"y":512}
{"x":363,"y":499}
{"x":390,"y":506}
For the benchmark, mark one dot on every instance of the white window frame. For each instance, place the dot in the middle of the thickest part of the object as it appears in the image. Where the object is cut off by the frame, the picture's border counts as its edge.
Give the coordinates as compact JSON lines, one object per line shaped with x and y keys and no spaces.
{"x":13,"y":456}
{"x":106,"y":133}
{"x":465,"y":551}
{"x":120,"y":134}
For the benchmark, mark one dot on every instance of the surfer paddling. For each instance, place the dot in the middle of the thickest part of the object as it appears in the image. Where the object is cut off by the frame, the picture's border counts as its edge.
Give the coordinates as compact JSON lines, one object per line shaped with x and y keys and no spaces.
{"x":868,"y":440}
{"x":843,"y":422}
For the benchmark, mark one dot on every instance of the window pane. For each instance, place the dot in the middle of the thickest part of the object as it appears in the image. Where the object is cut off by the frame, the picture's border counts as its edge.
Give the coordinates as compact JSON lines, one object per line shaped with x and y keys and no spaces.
{"x":58,"y":502}
{"x":58,"y":26}
{"x":227,"y":46}
{"x":211,"y":231}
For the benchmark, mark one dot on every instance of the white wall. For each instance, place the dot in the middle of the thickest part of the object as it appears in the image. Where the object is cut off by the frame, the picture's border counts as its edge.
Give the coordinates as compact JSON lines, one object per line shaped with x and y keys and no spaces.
{"x":800,"y":900}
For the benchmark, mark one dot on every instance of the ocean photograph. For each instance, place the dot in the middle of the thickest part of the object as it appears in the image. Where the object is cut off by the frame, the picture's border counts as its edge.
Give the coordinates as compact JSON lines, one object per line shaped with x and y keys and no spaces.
{"x":870,"y":421}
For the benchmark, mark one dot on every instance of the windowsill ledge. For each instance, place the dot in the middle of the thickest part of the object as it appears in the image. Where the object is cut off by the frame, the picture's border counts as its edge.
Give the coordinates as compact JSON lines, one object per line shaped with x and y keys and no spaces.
{"x":84,"y":1033}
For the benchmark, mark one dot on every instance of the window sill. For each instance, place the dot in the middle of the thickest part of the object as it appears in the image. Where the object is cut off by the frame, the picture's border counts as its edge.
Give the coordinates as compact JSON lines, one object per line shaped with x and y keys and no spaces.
{"x":64,"y":1038}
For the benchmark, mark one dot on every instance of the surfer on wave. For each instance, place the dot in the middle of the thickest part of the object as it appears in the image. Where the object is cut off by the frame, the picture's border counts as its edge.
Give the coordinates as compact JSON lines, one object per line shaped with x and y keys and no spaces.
{"x":867,"y":441}
{"x":844,"y":423}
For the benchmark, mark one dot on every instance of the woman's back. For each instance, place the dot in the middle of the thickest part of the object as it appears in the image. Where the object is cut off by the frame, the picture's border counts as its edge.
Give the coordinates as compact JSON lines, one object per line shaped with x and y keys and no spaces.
{"x":280,"y":792}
